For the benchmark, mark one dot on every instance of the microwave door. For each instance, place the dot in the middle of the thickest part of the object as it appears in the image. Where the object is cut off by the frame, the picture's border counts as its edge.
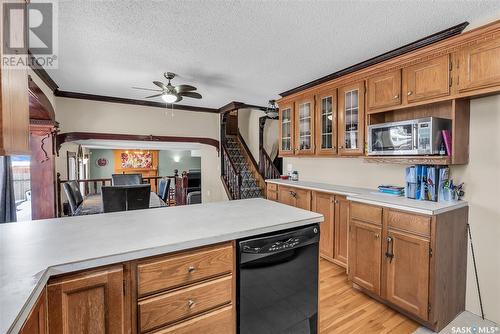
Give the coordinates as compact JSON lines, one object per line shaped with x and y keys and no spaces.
{"x":392,"y":140}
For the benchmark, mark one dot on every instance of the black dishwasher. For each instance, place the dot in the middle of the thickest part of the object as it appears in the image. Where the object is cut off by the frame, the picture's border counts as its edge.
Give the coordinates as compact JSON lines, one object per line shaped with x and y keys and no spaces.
{"x":278,"y":282}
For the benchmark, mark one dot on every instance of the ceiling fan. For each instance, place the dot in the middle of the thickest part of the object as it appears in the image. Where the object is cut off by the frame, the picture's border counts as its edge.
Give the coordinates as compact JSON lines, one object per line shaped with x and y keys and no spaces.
{"x":170,"y":93}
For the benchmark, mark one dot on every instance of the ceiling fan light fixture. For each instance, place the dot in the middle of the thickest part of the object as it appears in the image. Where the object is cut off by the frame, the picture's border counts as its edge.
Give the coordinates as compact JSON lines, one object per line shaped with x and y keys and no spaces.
{"x":272,"y":110}
{"x":169,"y":98}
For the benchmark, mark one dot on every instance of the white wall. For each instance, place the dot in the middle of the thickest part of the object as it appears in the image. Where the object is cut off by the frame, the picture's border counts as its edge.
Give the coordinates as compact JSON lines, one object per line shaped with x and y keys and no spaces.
{"x":93,"y":116}
{"x":482,"y":187}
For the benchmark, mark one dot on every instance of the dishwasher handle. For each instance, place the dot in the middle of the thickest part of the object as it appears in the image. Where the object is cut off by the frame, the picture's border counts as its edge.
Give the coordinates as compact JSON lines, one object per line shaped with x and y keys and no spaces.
{"x":281,"y":242}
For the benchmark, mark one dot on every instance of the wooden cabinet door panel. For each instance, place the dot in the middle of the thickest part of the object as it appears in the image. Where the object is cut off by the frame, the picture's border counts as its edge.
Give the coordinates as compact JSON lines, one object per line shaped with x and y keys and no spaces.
{"x":384,"y":90}
{"x":324,"y":204}
{"x":326,"y":122}
{"x":351,"y":119}
{"x":364,"y":255}
{"x":427,"y":80}
{"x":37,"y":319}
{"x":341,"y":230}
{"x":304,"y":126}
{"x":407,"y":273}
{"x":285,"y":195}
{"x":479,"y":66}
{"x":302,"y":199}
{"x":87,"y":303}
{"x":286,"y":130}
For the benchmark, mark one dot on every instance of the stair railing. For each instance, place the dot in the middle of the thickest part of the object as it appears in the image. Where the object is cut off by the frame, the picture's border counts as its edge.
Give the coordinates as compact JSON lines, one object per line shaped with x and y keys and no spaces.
{"x":230,"y":174}
{"x":266,"y":166}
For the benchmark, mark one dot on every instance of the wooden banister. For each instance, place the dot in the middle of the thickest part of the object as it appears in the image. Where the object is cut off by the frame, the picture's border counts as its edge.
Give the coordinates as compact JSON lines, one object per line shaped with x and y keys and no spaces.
{"x":266,"y":166}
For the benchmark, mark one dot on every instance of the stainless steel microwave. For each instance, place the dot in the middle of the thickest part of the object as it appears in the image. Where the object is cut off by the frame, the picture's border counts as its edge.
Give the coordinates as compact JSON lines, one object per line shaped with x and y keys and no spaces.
{"x":413,"y":137}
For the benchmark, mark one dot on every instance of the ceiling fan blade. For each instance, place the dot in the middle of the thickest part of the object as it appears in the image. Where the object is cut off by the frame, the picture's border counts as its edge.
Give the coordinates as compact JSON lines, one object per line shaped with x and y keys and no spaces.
{"x":193,"y":95}
{"x":147,"y":97}
{"x":153,"y":90}
{"x":160,"y":84}
{"x":184,"y":88}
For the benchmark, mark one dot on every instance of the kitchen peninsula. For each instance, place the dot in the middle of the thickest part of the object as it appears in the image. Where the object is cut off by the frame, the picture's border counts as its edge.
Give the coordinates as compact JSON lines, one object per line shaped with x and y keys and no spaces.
{"x":100,"y":259}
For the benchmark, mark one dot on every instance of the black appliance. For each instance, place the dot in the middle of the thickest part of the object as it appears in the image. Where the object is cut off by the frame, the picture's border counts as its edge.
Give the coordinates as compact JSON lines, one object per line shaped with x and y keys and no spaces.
{"x":278,"y":282}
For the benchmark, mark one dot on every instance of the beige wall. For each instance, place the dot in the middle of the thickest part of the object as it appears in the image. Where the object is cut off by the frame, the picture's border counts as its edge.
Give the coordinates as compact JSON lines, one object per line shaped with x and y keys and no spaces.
{"x":482,"y":186}
{"x":93,"y":116}
{"x":248,"y":124}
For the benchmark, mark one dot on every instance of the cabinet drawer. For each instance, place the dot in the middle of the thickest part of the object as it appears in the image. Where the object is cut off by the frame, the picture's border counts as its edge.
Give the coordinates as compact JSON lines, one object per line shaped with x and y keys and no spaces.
{"x":177,"y":305}
{"x":184,"y":268}
{"x":272,"y":187}
{"x":409,"y":222}
{"x":366,"y":213}
{"x":216,"y":322}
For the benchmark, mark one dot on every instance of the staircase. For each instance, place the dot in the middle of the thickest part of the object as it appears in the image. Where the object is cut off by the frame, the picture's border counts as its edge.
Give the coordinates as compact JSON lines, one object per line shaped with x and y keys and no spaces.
{"x":238,"y":175}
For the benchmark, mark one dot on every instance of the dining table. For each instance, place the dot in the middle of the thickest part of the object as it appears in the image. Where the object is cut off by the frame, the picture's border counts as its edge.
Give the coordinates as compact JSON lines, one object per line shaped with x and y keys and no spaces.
{"x":92,"y":204}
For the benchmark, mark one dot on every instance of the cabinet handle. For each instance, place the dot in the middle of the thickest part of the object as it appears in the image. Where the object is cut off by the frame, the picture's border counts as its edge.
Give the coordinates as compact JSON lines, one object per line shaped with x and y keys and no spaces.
{"x":293,"y":193}
{"x":377,"y":235}
{"x":396,"y":96}
{"x":191,"y":303}
{"x":191,"y":269}
{"x":389,"y":253}
{"x":409,"y":93}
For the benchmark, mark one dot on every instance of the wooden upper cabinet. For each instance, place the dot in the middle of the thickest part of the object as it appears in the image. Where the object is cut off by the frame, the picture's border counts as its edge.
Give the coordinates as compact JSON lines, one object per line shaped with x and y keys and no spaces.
{"x":304,"y":125}
{"x":430,"y":79}
{"x":286,"y":135}
{"x":406,"y":272}
{"x":351,"y":119}
{"x":90,"y":302}
{"x":326,"y":122}
{"x":325,"y":204}
{"x":364,"y":255}
{"x":341,"y":230}
{"x":384,"y":90}
{"x":479,"y":66}
{"x":37,"y":319}
{"x":14,"y":96}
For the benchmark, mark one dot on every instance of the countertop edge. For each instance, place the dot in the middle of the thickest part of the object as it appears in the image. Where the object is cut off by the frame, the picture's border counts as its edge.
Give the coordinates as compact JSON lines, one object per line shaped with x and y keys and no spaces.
{"x":67,"y":268}
{"x":358,"y":197}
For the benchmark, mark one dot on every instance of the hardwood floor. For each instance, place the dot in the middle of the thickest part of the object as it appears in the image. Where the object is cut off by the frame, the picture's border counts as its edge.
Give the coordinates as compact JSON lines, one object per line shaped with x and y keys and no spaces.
{"x":343,"y":309}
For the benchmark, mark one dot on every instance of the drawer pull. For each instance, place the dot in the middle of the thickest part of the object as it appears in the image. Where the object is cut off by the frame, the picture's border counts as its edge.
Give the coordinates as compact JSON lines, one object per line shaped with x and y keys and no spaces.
{"x":191,"y":269}
{"x":191,"y":303}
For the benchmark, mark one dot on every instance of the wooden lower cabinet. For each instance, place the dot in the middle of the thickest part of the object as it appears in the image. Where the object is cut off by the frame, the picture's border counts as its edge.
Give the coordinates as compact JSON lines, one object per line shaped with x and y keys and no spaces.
{"x":300,"y":198}
{"x":325,"y":204}
{"x":364,"y":255}
{"x":37,"y":319}
{"x":272,"y":192}
{"x":90,"y":302}
{"x":341,"y":231}
{"x":192,"y":291}
{"x":414,"y":263}
{"x":406,"y":272}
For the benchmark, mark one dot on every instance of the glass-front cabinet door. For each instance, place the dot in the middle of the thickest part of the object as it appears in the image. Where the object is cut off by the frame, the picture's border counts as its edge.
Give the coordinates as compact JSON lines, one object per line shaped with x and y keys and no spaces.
{"x":351,"y":118}
{"x":286,"y":113}
{"x":326,"y":122}
{"x":304,"y":126}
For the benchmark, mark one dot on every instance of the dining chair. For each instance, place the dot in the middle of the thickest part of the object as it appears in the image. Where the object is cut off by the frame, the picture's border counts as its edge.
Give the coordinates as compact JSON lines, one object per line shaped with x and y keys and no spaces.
{"x":194,"y":197}
{"x":138,"y":196}
{"x":163,"y":189}
{"x":71,"y":198}
{"x":126,"y":179}
{"x":114,"y":198}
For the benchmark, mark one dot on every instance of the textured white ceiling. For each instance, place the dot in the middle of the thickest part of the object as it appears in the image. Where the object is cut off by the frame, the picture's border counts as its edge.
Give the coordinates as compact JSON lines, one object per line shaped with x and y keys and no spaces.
{"x":245,"y":51}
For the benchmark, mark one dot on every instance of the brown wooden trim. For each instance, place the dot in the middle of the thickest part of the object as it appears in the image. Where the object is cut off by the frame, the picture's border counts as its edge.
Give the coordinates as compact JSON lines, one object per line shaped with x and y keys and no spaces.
{"x":113,"y":99}
{"x":436,"y":37}
{"x":42,"y":74}
{"x":73,"y":136}
{"x":40,"y":107}
{"x":235,"y":105}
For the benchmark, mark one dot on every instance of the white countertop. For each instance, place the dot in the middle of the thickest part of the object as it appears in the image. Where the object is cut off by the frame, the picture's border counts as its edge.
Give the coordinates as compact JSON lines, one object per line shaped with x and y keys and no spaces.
{"x":372,"y":196}
{"x":31,"y":252}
